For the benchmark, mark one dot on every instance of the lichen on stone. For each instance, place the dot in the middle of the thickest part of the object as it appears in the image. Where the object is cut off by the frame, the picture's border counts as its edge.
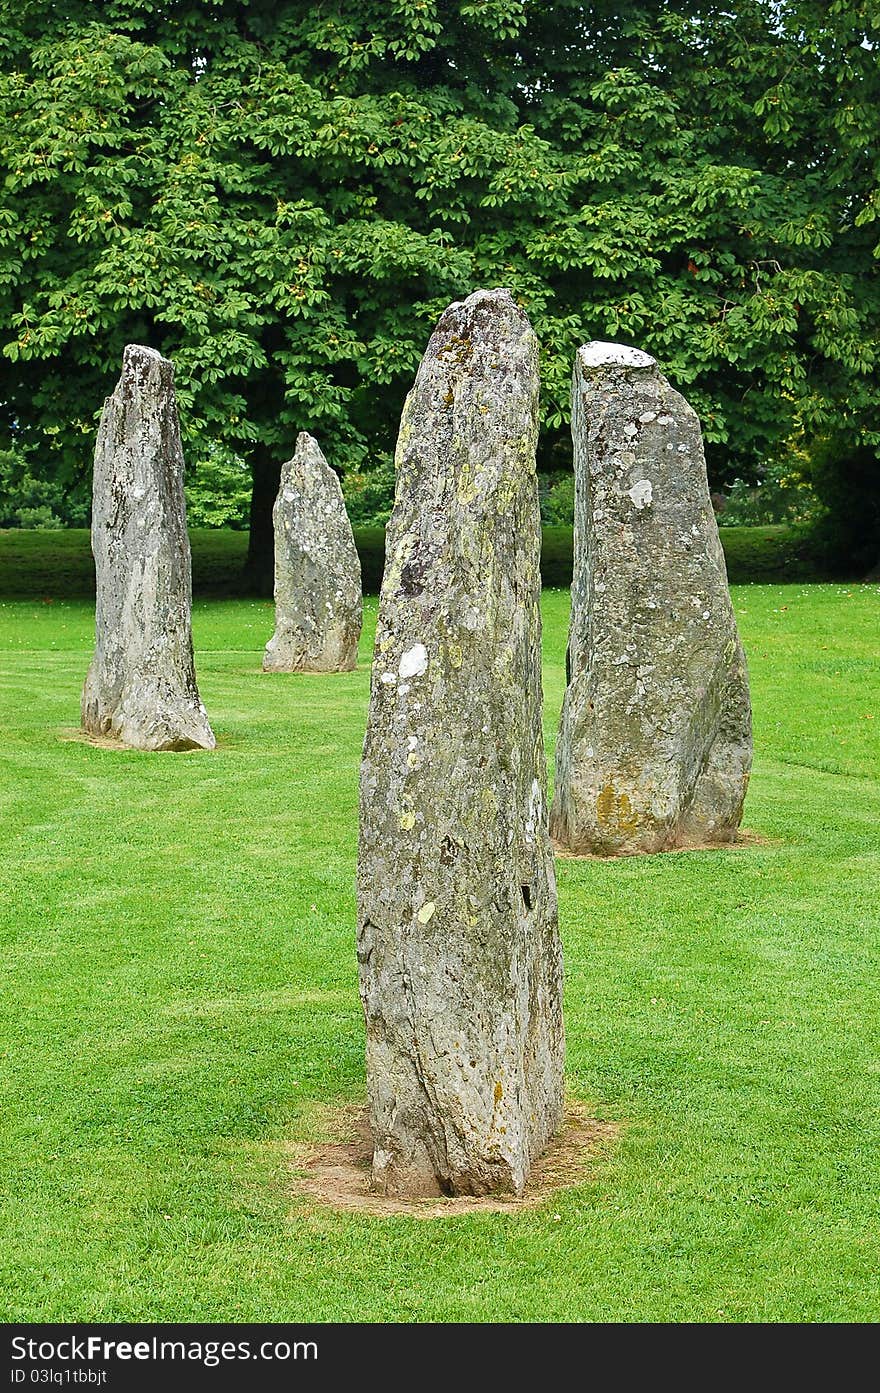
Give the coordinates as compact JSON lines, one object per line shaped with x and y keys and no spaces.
{"x":141,"y":685}
{"x":655,"y":743}
{"x":460,"y":969}
{"x":318,"y":604}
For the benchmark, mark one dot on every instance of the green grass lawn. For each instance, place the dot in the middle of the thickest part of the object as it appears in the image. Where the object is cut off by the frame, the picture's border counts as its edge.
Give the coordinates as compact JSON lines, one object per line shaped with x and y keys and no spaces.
{"x":180,"y":1000}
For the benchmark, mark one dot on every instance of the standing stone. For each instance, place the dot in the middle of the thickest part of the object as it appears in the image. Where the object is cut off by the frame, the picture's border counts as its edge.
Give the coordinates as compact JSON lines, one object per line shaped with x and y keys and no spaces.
{"x":317,"y":570}
{"x":460,"y":961}
{"x":141,"y":687}
{"x":655,"y":741}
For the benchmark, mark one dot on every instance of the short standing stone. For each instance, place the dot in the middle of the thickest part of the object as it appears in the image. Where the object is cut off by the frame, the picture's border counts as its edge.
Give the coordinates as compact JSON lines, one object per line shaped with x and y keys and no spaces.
{"x":655,"y":741}
{"x":318,"y":607}
{"x":141,"y":686}
{"x":460,"y":961}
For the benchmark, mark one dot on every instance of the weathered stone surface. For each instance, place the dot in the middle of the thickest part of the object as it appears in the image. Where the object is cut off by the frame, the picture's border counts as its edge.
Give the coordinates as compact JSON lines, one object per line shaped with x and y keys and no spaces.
{"x":655,"y":741}
{"x":141,"y":686}
{"x":318,"y":607}
{"x":460,"y":961}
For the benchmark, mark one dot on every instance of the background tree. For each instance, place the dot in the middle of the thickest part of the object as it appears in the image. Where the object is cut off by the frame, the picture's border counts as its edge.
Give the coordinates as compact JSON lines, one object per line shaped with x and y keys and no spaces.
{"x":282,"y":196}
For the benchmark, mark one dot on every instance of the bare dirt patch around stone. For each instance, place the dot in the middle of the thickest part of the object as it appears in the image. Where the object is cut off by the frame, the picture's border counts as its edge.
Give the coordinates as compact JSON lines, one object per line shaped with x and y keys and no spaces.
{"x":72,"y":735}
{"x":336,"y":1174}
{"x":744,"y":838}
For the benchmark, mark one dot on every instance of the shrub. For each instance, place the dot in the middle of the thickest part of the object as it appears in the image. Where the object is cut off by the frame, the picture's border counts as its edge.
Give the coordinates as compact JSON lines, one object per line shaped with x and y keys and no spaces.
{"x":783,"y":495}
{"x":369,"y":493}
{"x":556,"y":496}
{"x":29,"y":501}
{"x":218,"y":490}
{"x":846,"y":478}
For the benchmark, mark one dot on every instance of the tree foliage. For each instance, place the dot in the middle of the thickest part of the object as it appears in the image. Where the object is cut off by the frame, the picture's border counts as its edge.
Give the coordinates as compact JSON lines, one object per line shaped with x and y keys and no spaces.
{"x":283,"y":196}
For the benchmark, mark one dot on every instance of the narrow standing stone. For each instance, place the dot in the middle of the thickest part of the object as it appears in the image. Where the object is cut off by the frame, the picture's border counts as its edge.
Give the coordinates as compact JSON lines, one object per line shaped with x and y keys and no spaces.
{"x":141,"y":686}
{"x":317,"y":570}
{"x":655,"y":741}
{"x":460,"y":960}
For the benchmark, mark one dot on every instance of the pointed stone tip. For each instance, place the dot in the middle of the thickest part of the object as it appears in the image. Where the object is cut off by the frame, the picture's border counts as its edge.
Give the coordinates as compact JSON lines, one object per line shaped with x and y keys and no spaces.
{"x":499,"y":295}
{"x":137,"y":354}
{"x":307,"y":460}
{"x":308,"y":453}
{"x":484,"y":312}
{"x":596,"y":354}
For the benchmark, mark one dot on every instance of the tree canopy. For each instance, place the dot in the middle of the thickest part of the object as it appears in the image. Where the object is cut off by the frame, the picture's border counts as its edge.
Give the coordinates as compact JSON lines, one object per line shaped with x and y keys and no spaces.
{"x":283,"y":196}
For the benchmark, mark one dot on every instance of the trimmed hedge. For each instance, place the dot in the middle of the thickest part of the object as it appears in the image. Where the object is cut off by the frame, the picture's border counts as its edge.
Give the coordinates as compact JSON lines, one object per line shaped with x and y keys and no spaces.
{"x":58,"y":564}
{"x":753,"y":554}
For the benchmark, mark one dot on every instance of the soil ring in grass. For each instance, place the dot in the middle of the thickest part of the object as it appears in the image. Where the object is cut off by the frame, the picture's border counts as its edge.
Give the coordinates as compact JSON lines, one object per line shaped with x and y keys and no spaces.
{"x":72,"y":735}
{"x":336,"y":1174}
{"x":744,"y":838}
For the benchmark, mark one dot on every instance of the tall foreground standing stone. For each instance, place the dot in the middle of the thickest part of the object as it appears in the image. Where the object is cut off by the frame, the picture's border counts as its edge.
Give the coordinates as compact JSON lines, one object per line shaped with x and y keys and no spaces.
{"x":460,"y":961}
{"x":141,"y":686}
{"x":317,"y":570}
{"x":655,"y":741}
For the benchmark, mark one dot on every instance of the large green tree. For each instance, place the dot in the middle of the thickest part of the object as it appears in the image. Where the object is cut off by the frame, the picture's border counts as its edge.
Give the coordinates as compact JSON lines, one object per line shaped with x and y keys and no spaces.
{"x":282,"y":196}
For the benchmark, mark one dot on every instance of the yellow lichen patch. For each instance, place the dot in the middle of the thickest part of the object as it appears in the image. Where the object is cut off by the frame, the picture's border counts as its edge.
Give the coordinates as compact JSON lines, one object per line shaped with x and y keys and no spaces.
{"x":506,"y":493}
{"x":498,"y":1092}
{"x":626,"y":818}
{"x":616,"y":810}
{"x":605,"y":805}
{"x":465,"y":484}
{"x":459,"y":349}
{"x":454,"y":651}
{"x":407,"y":821}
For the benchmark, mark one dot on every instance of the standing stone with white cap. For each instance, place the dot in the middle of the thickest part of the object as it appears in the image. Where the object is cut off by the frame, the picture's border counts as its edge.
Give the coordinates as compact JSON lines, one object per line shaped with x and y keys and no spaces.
{"x":318,"y":605}
{"x":141,"y":685}
{"x":655,"y":741}
{"x":458,"y":944}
